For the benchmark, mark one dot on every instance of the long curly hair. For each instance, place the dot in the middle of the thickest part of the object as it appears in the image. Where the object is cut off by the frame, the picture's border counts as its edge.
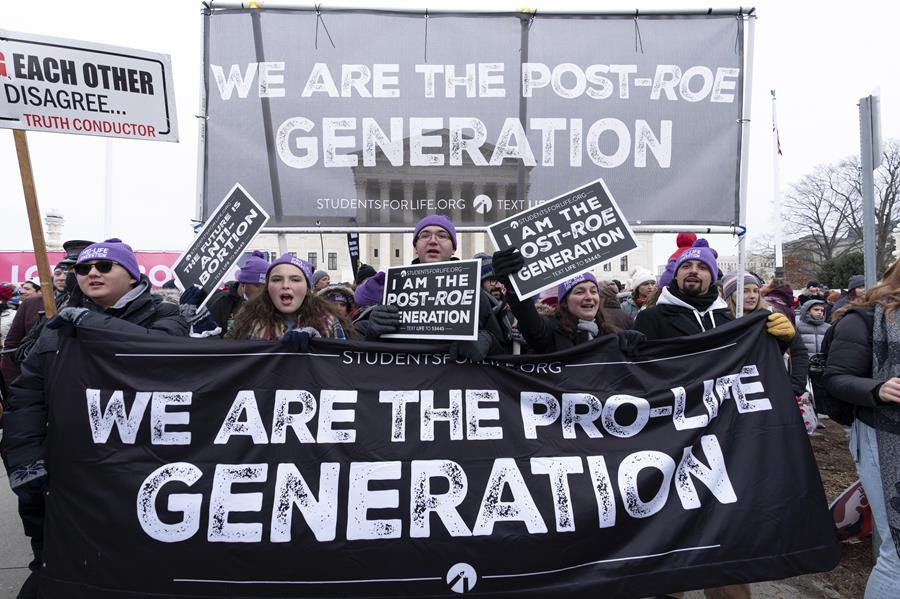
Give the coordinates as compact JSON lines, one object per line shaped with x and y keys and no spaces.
{"x":569,"y":322}
{"x":260,"y":319}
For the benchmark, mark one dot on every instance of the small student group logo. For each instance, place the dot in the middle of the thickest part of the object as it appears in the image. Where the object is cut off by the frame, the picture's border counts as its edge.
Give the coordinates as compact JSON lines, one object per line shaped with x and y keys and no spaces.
{"x":461,"y":578}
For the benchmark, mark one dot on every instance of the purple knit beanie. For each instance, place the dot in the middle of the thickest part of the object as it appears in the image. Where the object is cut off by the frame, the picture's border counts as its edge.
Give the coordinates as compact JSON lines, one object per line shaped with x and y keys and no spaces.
{"x":436,"y":220}
{"x":567,"y":285}
{"x":371,"y":291}
{"x":114,"y":251}
{"x":702,"y":252}
{"x":254,"y":269}
{"x":305,"y":267}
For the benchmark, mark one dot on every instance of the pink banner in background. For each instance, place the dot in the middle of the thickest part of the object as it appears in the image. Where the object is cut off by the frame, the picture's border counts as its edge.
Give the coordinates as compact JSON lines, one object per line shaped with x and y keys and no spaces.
{"x":17,"y":267}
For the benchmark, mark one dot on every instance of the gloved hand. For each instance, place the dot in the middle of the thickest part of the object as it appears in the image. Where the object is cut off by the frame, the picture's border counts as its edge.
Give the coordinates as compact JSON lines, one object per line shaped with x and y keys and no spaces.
{"x":630,"y":340}
{"x":476,"y":351}
{"x":193,"y":296}
{"x":29,"y":480}
{"x":383,"y":320}
{"x":507,"y":262}
{"x":299,"y":338}
{"x":188,"y":302}
{"x":67,"y":315}
{"x":780,"y":327}
{"x":203,"y":324}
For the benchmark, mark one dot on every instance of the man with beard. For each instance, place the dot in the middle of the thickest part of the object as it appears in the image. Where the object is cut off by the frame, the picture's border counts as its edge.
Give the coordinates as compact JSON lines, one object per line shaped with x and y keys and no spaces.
{"x":690,"y":304}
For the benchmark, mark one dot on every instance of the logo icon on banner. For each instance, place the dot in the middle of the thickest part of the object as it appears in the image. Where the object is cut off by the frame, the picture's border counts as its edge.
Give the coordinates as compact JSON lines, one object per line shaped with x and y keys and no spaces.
{"x":461,"y":578}
{"x":482,"y":204}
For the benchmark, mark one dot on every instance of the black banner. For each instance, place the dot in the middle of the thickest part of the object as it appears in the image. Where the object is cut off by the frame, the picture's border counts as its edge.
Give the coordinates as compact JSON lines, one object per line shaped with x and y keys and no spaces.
{"x":209,"y":468}
{"x":565,"y":236}
{"x":438,"y":300}
{"x":221,"y":241}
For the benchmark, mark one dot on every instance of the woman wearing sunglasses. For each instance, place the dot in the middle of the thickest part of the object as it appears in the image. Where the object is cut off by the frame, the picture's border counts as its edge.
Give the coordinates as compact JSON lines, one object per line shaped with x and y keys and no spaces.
{"x":113,"y":295}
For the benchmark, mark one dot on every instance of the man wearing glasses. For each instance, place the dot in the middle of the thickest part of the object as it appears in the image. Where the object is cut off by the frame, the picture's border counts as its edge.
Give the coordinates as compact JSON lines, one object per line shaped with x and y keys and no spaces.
{"x":434,"y":240}
{"x":111,"y":294}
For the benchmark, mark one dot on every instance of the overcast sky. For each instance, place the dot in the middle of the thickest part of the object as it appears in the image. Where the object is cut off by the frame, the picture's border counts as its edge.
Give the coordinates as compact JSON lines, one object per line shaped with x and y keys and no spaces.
{"x":821,"y":57}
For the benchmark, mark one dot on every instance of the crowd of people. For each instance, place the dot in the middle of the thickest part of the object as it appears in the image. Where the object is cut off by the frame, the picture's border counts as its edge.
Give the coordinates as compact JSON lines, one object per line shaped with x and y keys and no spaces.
{"x":99,"y":285}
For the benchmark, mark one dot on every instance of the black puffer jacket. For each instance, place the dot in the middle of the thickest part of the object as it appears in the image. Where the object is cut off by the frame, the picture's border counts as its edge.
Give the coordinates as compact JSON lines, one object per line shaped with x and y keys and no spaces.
{"x":25,"y":424}
{"x":848,"y":371}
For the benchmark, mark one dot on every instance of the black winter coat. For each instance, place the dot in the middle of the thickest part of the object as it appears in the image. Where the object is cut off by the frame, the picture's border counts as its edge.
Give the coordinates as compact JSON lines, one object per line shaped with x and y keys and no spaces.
{"x":544,"y":335}
{"x":25,"y":424}
{"x":848,"y":371}
{"x":222,"y":305}
{"x":667,"y":320}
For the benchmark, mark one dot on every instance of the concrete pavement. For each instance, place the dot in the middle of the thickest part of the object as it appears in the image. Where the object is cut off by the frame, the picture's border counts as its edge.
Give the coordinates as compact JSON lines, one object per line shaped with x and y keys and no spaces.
{"x":15,"y":551}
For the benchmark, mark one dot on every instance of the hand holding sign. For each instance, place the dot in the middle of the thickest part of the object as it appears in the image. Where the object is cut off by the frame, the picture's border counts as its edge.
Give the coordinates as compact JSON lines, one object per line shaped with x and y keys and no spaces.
{"x":507,"y":262}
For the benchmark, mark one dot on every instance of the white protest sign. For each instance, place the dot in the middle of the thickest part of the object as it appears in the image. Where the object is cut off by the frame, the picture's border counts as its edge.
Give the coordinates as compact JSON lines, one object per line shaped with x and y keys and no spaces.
{"x":69,"y":86}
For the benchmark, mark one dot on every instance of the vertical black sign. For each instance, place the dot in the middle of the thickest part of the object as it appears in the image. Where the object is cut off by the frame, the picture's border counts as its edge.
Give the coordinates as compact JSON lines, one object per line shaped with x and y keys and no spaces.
{"x":353,"y":249}
{"x":565,"y":236}
{"x":437,"y":301}
{"x":221,"y":241}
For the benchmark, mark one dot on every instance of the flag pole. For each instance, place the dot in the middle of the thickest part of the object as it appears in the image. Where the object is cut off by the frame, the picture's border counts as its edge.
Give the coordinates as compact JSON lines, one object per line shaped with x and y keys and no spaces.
{"x":776,"y":192}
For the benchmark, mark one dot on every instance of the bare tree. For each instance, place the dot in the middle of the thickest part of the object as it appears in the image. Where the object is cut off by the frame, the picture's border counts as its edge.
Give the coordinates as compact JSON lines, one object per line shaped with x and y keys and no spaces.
{"x":887,"y":206}
{"x":823,"y":211}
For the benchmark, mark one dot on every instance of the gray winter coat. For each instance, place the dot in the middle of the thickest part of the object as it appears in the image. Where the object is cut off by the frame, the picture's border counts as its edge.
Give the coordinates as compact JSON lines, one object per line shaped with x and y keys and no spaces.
{"x":811,"y":331}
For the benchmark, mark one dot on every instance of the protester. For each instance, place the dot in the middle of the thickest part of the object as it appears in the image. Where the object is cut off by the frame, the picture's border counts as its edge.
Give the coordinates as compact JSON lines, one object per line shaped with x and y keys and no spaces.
{"x":614,"y":313}
{"x":340,"y":298}
{"x":683,"y":241}
{"x":434,"y":240}
{"x":856,"y":292}
{"x":73,"y":249}
{"x":490,"y":283}
{"x":811,"y":324}
{"x":798,"y":356}
{"x":320,"y":280}
{"x":780,"y":297}
{"x":111,"y":295}
{"x":812,"y":291}
{"x":368,"y":294}
{"x":690,"y":304}
{"x":288,"y":310}
{"x":861,"y":369}
{"x":362,"y":273}
{"x":643,"y":284}
{"x":26,"y":317}
{"x":578,"y":318}
{"x":7,"y":313}
{"x":29,"y":289}
{"x":225,"y":305}
{"x":833,"y":296}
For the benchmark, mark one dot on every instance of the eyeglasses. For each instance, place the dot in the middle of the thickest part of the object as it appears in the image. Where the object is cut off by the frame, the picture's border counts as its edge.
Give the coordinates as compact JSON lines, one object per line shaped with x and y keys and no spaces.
{"x":440,"y":235}
{"x":103,"y":267}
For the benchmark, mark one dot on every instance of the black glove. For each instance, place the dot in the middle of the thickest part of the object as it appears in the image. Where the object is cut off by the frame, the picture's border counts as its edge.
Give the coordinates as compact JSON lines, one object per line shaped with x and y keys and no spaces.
{"x":29,"y":481}
{"x":189,"y":301}
{"x":67,"y":315}
{"x":507,"y":262}
{"x":299,"y":338}
{"x":476,"y":351}
{"x":383,"y":320}
{"x":630,"y":340}
{"x":193,"y":295}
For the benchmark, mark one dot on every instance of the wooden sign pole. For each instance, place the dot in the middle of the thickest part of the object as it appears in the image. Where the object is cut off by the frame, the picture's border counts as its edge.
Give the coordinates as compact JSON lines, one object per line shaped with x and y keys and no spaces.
{"x":34,"y":220}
